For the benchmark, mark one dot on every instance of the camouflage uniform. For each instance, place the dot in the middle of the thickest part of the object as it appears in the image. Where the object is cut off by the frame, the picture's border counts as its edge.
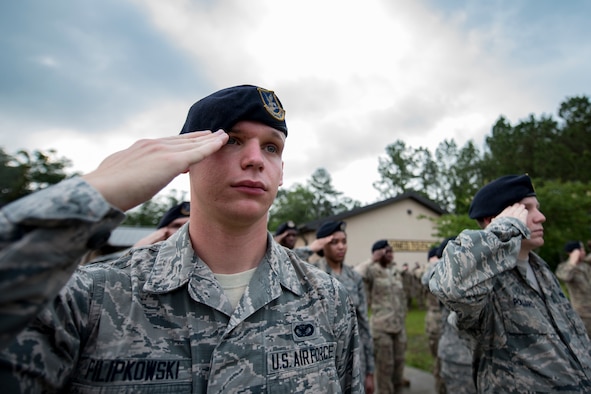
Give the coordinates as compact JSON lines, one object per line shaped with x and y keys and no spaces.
{"x":353,"y":282}
{"x":304,"y":252}
{"x":156,"y":320}
{"x":578,"y":282}
{"x":31,"y":277}
{"x":387,"y":301}
{"x":407,"y":283}
{"x":361,"y":268}
{"x":524,"y":341}
{"x":455,"y":354}
{"x":433,"y":323}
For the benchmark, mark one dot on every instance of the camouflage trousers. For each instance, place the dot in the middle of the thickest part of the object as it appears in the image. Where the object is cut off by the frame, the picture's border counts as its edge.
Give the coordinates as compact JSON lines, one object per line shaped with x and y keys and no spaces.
{"x":457,"y":378}
{"x":389,"y":355}
{"x":433,"y":345}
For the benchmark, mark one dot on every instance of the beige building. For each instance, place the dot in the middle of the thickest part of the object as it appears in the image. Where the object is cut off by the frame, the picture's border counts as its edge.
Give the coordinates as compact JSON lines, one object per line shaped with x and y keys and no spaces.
{"x":405,"y":221}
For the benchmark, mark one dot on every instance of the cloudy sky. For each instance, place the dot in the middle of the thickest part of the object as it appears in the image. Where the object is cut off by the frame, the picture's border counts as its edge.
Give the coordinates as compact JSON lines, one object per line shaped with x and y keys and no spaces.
{"x":88,"y":78}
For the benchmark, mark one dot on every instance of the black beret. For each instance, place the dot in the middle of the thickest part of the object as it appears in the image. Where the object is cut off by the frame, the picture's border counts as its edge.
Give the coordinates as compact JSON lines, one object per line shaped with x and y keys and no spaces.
{"x":283,"y":227}
{"x":178,"y":211}
{"x":442,"y":245}
{"x":432,"y":252}
{"x":329,"y":228}
{"x":494,"y":197}
{"x":226,"y":107}
{"x":572,"y":245}
{"x":381,"y":244}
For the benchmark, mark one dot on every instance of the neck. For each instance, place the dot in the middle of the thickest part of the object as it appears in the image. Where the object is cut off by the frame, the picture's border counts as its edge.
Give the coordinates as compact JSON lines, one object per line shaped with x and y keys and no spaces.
{"x":228,"y":249}
{"x":523,"y":254}
{"x":335,"y":266}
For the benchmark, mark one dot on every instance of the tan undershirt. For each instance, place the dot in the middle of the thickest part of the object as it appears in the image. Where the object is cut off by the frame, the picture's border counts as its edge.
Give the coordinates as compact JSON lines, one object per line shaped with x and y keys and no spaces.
{"x":234,"y":285}
{"x":525,"y":267}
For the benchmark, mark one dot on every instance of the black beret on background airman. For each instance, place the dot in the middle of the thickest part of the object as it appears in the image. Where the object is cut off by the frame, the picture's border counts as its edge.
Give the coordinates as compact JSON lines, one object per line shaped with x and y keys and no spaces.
{"x":442,"y":245}
{"x":181,"y":210}
{"x":572,"y":245}
{"x":283,"y":227}
{"x":381,"y":244}
{"x":329,"y":228}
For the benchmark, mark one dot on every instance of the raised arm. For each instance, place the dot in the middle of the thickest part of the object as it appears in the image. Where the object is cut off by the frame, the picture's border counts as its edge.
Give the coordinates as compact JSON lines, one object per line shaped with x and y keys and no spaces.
{"x":43,"y":235}
{"x":464,"y":277}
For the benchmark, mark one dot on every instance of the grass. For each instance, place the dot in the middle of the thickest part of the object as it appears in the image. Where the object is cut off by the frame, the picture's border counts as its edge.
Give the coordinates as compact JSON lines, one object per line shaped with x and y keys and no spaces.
{"x":417,"y":350}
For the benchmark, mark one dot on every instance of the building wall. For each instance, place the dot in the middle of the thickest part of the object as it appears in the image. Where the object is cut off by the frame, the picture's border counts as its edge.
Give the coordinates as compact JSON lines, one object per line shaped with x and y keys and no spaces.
{"x":404,"y":224}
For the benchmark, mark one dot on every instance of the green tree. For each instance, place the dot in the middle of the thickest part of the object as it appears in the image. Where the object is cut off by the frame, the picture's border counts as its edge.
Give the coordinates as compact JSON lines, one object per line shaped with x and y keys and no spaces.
{"x":450,"y":225}
{"x":567,"y":207}
{"x":294,"y":204}
{"x":327,"y":200}
{"x":449,"y":179}
{"x":396,"y":170}
{"x":27,"y":172}
{"x":527,"y":147}
{"x":544,"y":148}
{"x":576,"y":139}
{"x":304,"y":203}
{"x":459,"y":175}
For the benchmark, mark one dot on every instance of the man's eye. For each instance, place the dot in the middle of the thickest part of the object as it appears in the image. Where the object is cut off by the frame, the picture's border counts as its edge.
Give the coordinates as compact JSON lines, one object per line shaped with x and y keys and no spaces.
{"x":231,"y":141}
{"x":271,"y":149}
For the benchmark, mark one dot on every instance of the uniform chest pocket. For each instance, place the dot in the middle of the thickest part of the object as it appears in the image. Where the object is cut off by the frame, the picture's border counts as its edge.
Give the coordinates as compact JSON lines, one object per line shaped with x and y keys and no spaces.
{"x":307,"y":369}
{"x":522,"y":314}
{"x":317,"y":378}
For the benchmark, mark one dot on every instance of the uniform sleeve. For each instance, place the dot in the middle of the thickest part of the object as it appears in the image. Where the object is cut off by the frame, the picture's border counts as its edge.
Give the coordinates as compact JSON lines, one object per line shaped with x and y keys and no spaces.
{"x":42,"y":238}
{"x":464,"y":277}
{"x":428,"y":273}
{"x":364,"y":330}
{"x":43,"y":356}
{"x":565,"y":271}
{"x":368,"y":286}
{"x":348,"y":343}
{"x":304,"y":252}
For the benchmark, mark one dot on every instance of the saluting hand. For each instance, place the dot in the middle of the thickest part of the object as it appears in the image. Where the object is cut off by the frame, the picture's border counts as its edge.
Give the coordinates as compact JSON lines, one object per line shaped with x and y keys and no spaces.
{"x":134,"y":175}
{"x":516,"y":210}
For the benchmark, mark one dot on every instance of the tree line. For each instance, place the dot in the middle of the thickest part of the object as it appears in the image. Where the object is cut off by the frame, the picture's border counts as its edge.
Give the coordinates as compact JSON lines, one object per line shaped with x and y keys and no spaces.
{"x":556,"y":153}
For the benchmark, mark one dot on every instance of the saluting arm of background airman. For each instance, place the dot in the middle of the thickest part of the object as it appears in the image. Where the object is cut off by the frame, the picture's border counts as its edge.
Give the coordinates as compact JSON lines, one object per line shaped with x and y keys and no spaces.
{"x":464,"y":276}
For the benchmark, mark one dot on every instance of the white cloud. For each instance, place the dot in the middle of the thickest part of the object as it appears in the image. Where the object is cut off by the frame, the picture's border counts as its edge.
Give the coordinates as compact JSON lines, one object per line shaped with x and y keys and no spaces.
{"x":353,"y":76}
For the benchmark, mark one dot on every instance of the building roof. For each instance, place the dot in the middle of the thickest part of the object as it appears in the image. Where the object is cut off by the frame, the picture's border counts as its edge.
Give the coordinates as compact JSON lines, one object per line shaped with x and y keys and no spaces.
{"x":313,"y":225}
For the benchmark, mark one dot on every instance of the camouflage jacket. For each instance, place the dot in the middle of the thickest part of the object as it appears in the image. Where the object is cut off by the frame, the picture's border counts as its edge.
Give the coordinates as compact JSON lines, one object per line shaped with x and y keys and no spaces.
{"x":353,"y":282}
{"x":453,"y":347}
{"x":578,"y":282}
{"x":386,"y":298}
{"x":523,"y":341}
{"x":30,"y":277}
{"x":433,"y":317}
{"x":156,"y":320}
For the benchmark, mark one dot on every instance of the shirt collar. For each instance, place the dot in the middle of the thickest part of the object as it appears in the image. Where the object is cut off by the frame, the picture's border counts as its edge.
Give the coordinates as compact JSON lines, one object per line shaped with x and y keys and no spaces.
{"x":176,"y":262}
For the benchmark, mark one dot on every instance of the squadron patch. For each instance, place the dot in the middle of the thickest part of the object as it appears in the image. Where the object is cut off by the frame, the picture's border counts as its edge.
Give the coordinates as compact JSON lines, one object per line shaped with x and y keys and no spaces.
{"x":271,"y":104}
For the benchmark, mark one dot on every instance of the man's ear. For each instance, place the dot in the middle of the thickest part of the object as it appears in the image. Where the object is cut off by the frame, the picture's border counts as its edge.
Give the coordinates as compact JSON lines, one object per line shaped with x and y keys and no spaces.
{"x":484,"y":222}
